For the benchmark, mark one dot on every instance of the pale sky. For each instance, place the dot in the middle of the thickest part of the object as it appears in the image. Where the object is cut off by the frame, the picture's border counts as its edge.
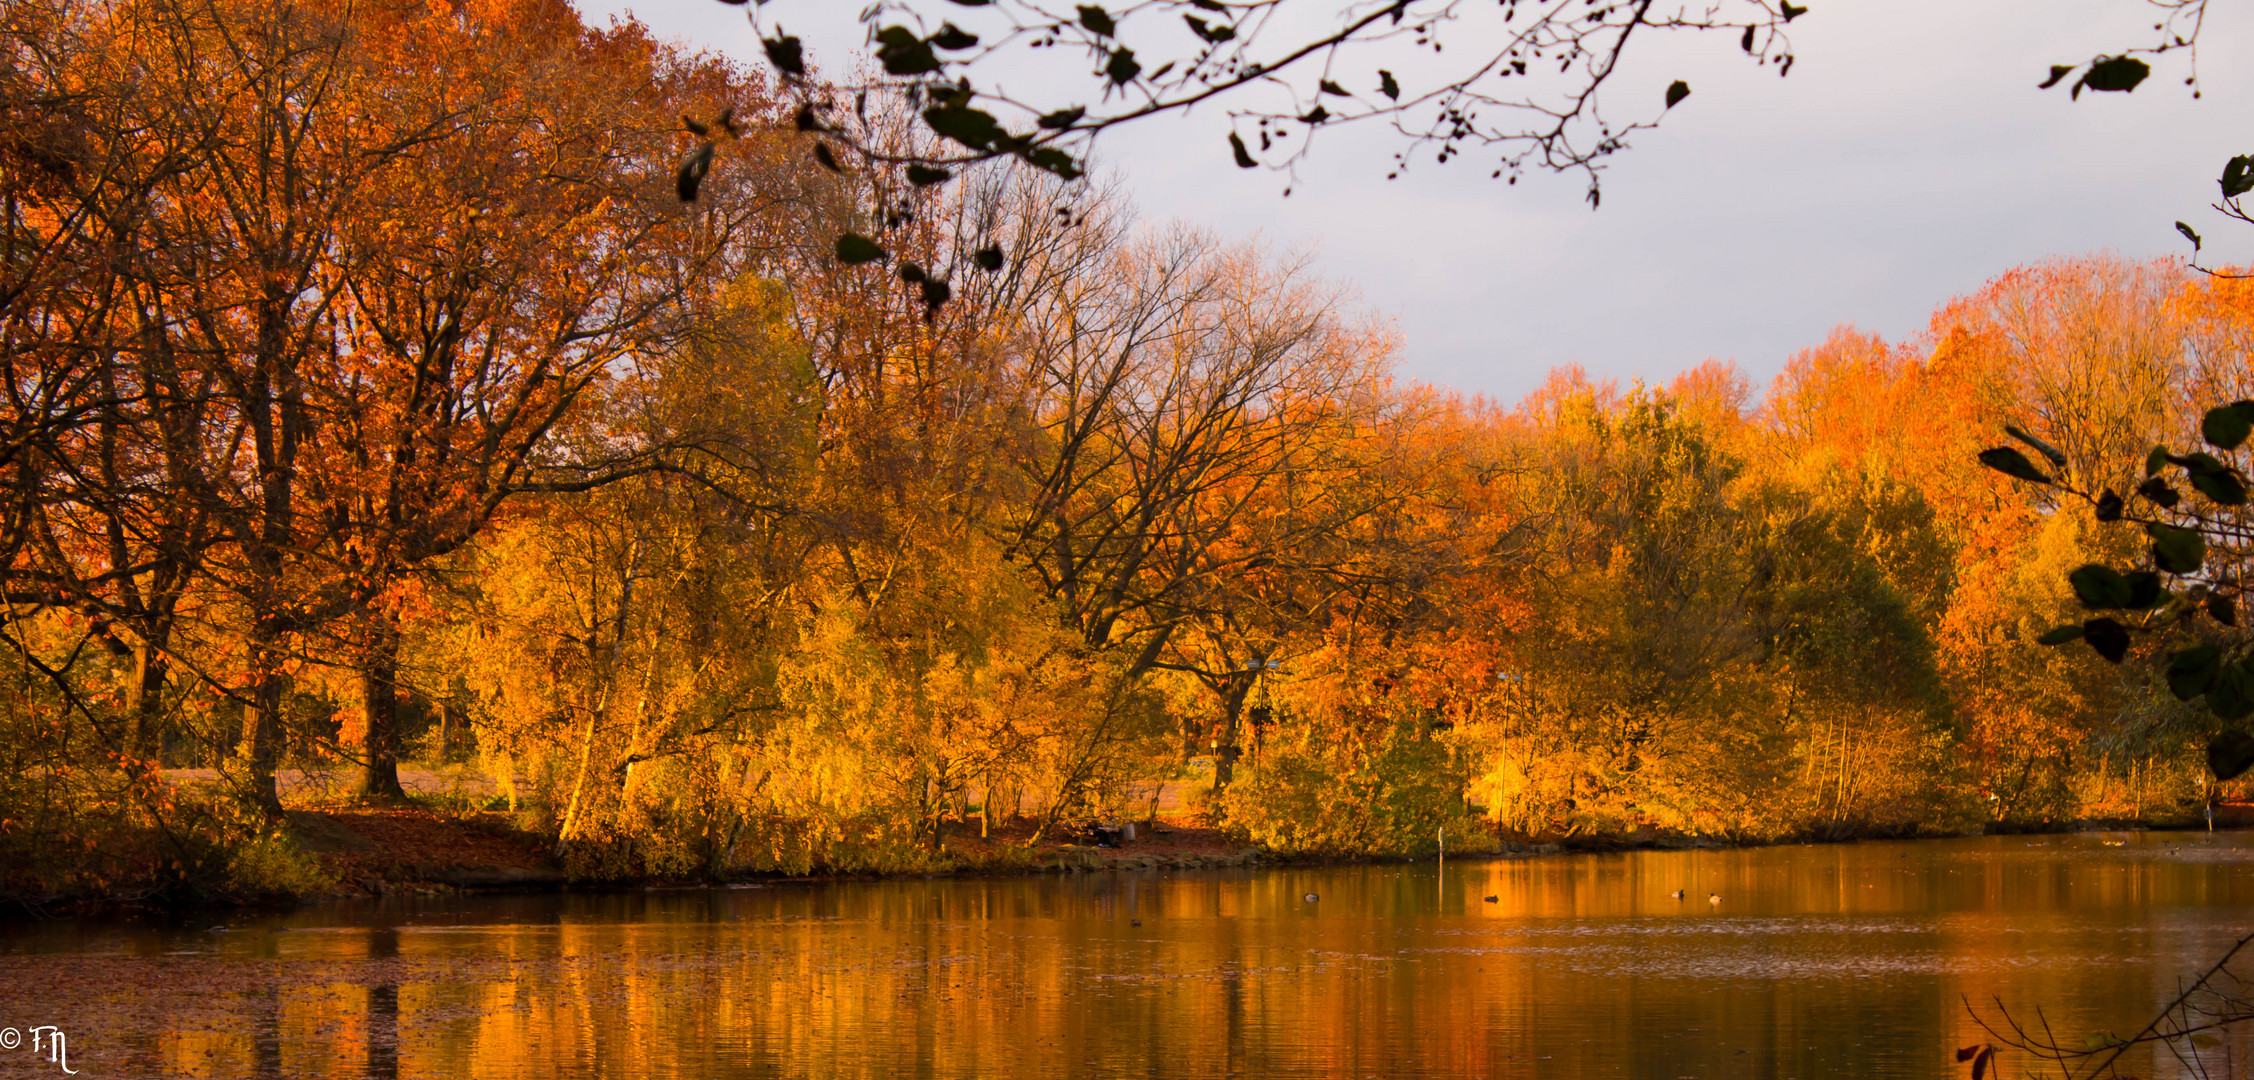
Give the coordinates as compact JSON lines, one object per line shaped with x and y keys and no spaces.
{"x":1909,"y":158}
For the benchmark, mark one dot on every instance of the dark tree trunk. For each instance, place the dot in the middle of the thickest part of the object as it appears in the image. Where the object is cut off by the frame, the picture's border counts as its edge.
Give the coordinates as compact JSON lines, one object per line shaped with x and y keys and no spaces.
{"x":379,"y":709}
{"x":147,"y":701}
{"x":1225,"y":736}
{"x":261,"y":749}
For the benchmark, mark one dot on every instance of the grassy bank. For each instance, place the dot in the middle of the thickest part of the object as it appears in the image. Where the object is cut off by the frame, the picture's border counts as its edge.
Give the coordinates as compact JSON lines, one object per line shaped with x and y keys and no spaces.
{"x":342,"y":849}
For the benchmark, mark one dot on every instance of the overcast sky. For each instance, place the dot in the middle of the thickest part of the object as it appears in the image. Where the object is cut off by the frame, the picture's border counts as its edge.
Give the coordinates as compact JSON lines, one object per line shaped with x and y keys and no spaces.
{"x":1907,"y":159}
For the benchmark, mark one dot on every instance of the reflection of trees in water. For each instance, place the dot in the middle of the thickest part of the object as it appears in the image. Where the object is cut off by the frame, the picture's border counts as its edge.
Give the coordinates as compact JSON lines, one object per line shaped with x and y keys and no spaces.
{"x":383,"y":1010}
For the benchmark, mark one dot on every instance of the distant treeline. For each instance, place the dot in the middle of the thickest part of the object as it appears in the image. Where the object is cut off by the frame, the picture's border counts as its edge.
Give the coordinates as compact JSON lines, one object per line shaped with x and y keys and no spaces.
{"x":372,"y":396}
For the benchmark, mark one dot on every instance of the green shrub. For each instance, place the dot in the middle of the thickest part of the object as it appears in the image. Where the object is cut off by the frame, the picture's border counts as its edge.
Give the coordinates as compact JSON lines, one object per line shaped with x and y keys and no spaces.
{"x":1391,"y":798}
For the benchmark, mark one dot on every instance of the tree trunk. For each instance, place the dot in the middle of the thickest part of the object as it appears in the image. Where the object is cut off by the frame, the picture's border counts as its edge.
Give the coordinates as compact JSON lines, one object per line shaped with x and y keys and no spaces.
{"x":261,"y":748}
{"x":379,"y":709}
{"x":1225,"y":737}
{"x":574,"y":809}
{"x":147,"y":696}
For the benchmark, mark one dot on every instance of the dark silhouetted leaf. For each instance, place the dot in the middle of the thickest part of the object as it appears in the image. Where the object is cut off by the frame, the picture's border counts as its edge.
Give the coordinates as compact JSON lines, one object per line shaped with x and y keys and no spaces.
{"x":1212,"y":33}
{"x":2109,"y":506}
{"x":927,"y":175}
{"x":910,"y":272}
{"x":974,"y":128}
{"x":2230,"y":754}
{"x":2114,"y":74}
{"x":2060,"y":635}
{"x":2213,"y":479}
{"x":1053,"y":161}
{"x":1386,"y":85}
{"x":1316,"y":115}
{"x":2177,"y":550}
{"x":1676,"y":92}
{"x":1790,"y":11}
{"x":2156,"y":461}
{"x":2145,"y":590}
{"x":1062,"y":118}
{"x":1746,"y":42}
{"x":1122,"y":67}
{"x":787,"y":54}
{"x":2238,"y":176}
{"x":988,"y":258}
{"x":2052,"y":453}
{"x":2058,"y":71}
{"x":2012,"y":463}
{"x":1330,"y":87}
{"x":853,"y":249}
{"x":691,"y":177}
{"x":2157,"y":492}
{"x":2099,"y":587}
{"x":2193,"y":670}
{"x":954,"y":38}
{"x":935,"y":293}
{"x":2188,"y":235}
{"x":2225,"y":427}
{"x":829,"y":160}
{"x":2222,"y":609}
{"x":695,"y":128}
{"x":2231,"y":696}
{"x":1097,"y":20}
{"x":2109,"y":638}
{"x":806,"y":120}
{"x":903,"y":53}
{"x":1243,"y":156}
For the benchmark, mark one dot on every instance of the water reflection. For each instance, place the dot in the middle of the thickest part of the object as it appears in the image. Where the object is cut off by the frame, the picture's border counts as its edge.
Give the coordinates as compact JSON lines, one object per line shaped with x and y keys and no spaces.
{"x":1813,"y":962}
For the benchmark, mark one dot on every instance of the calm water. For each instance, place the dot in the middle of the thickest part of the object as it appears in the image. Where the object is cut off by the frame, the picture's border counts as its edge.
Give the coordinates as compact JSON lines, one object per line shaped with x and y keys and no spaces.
{"x":1834,"y":961}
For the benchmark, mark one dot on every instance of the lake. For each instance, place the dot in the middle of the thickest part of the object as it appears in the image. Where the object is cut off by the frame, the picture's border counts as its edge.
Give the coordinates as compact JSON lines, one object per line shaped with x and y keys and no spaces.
{"x":1851,"y":960}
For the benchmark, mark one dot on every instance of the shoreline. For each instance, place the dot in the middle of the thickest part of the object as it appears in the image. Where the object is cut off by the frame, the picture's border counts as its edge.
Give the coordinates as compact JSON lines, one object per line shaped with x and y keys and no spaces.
{"x":381,"y":851}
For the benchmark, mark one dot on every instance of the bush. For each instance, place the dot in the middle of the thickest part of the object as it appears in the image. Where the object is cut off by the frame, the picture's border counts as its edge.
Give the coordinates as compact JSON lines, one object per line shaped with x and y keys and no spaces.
{"x":1392,"y":798}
